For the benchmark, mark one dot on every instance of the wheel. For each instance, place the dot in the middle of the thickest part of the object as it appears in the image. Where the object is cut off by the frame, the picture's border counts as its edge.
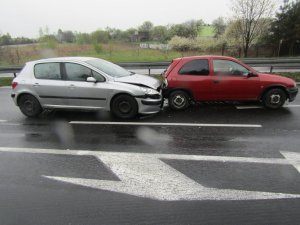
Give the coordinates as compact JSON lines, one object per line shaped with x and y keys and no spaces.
{"x":274,"y":98}
{"x":179,"y":100}
{"x":124,"y":107}
{"x":29,"y":106}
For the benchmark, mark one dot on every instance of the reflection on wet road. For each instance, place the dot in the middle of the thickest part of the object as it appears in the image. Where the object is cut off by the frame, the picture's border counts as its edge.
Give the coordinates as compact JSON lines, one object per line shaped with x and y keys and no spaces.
{"x":198,"y":166}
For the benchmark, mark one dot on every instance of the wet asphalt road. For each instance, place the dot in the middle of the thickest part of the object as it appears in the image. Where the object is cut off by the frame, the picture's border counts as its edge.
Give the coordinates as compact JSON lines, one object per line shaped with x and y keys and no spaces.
{"x":28,"y":196}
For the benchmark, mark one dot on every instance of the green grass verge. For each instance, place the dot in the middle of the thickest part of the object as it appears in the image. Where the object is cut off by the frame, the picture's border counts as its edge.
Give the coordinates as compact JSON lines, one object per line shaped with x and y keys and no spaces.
{"x":5,"y":81}
{"x":293,"y":75}
{"x":207,"y":31}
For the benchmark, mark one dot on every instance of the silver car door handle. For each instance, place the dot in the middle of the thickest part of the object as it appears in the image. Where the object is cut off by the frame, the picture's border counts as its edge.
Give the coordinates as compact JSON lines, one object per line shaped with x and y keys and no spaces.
{"x":71,"y":86}
{"x":36,"y":85}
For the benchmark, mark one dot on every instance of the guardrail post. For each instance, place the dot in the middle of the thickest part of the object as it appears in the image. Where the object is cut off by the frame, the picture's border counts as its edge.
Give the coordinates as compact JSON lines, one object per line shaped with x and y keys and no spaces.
{"x":149,"y":71}
{"x":271,"y":69}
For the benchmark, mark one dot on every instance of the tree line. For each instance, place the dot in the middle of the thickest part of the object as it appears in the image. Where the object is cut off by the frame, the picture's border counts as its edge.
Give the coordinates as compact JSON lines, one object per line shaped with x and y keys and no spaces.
{"x":145,"y":32}
{"x":6,"y":39}
{"x":253,"y":24}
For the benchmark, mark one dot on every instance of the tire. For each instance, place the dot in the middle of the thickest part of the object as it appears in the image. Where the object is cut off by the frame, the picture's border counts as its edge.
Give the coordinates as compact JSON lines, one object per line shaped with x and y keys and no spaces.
{"x":124,"y":107}
{"x":179,"y":100}
{"x":29,"y":106}
{"x":274,"y":98}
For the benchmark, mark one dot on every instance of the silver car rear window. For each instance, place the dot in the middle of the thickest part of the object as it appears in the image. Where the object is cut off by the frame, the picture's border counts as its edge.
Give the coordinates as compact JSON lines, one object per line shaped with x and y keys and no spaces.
{"x":47,"y":71}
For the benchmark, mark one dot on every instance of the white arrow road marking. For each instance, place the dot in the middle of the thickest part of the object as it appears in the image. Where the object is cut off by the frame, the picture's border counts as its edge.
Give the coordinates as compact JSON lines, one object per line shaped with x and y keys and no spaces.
{"x":148,"y":177}
{"x":145,"y":175}
{"x":293,"y":158}
{"x":167,"y":124}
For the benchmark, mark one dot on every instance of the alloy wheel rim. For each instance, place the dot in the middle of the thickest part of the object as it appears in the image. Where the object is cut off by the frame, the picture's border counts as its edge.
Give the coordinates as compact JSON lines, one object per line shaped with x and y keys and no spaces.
{"x":124,"y":107}
{"x":29,"y":106}
{"x":275,"y":99}
{"x":179,"y":101}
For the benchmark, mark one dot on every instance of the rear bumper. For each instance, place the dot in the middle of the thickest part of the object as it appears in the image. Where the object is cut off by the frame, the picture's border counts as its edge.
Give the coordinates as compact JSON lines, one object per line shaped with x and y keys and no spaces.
{"x":14,"y":98}
{"x":292,"y":93}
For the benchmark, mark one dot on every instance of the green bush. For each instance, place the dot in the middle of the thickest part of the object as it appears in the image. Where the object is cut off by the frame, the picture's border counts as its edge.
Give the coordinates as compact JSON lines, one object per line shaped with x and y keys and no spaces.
{"x":196,"y":44}
{"x":48,"y":41}
{"x":181,"y":43}
{"x":98,"y":48}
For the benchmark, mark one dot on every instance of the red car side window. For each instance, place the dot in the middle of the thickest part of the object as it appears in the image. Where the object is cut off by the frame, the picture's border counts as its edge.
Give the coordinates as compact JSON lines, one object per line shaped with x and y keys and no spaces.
{"x":198,"y":67}
{"x":229,"y":68}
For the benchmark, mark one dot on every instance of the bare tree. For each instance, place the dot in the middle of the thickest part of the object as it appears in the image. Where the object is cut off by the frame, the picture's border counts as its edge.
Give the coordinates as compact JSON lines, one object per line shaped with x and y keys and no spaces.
{"x":219,"y":26}
{"x":251,"y":17}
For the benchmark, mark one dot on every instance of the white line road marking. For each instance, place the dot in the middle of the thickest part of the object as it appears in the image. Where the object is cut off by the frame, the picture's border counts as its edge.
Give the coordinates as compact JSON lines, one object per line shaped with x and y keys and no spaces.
{"x":249,"y":107}
{"x":3,"y":121}
{"x":292,"y":106}
{"x":145,"y":175}
{"x":166,"y":124}
{"x":261,"y":107}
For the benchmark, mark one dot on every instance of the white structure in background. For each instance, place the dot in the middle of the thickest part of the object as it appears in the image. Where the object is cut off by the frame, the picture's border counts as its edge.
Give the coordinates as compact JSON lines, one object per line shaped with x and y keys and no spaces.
{"x":155,"y":46}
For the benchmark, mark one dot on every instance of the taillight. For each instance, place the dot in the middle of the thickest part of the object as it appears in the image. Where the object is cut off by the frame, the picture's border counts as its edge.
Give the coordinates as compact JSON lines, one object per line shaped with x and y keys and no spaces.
{"x":14,"y":85}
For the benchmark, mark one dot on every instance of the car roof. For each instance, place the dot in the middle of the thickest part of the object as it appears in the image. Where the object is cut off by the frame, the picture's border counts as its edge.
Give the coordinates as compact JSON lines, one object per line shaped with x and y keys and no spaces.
{"x":64,"y":59}
{"x":208,"y":57}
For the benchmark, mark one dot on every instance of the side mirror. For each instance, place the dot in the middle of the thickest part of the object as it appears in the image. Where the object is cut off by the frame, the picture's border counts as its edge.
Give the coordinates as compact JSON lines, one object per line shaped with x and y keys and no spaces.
{"x":91,"y":80}
{"x":251,"y":74}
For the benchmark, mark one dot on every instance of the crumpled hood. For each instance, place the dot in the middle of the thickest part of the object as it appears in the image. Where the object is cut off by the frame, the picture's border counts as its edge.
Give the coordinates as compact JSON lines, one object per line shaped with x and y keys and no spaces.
{"x":142,"y":80}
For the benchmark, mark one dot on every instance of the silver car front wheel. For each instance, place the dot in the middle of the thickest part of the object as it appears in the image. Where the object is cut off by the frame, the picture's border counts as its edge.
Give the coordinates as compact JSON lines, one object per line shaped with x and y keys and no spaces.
{"x":124,"y":107}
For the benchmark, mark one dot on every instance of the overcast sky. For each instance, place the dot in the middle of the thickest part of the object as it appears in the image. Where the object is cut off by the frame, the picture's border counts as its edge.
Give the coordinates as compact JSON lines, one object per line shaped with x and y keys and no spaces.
{"x":25,"y":17}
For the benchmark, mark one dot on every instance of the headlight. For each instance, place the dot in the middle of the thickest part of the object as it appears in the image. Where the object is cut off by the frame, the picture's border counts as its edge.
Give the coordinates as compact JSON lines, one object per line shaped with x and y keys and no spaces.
{"x":149,"y":91}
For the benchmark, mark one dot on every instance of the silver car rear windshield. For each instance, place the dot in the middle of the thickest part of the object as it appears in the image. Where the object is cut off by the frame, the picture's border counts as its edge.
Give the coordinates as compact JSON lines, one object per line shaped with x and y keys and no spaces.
{"x":109,"y":68}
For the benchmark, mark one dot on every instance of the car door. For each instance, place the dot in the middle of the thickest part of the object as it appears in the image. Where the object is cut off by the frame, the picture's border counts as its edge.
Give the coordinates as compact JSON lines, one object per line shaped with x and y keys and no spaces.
{"x":84,"y":94}
{"x":49,"y":84}
{"x":194,"y":75}
{"x":231,"y":81}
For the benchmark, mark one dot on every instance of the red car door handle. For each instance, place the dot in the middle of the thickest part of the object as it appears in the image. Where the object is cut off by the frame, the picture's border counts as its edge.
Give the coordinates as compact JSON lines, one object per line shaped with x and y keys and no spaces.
{"x":216,"y":81}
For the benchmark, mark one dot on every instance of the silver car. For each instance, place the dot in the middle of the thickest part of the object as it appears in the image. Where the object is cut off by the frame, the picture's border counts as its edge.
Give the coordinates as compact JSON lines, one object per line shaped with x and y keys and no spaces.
{"x":85,"y":83}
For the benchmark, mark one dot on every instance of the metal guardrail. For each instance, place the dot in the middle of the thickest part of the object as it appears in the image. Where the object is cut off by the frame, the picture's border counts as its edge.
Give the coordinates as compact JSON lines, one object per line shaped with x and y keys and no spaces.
{"x":290,"y":63}
{"x":14,"y":70}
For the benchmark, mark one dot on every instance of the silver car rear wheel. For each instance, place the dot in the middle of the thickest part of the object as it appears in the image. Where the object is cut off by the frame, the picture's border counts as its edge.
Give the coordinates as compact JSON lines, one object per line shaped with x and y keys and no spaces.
{"x":29,"y":105}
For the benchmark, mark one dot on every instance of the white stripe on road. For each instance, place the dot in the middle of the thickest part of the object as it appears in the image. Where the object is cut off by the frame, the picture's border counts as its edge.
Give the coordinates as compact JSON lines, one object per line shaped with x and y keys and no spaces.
{"x":3,"y":121}
{"x":261,"y":107}
{"x":167,"y":124}
{"x":249,"y":107}
{"x":280,"y":161}
{"x":292,"y":106}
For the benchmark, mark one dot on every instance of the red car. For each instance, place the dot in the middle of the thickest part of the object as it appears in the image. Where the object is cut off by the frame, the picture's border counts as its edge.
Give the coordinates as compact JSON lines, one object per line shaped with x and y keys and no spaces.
{"x":219,"y":78}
